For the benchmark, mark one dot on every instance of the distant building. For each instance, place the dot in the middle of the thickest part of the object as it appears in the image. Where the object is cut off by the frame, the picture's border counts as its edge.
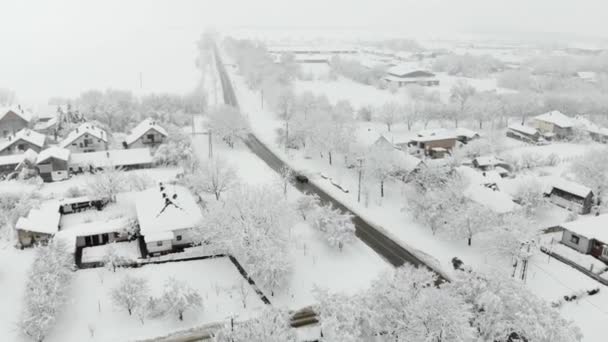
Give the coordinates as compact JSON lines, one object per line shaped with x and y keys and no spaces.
{"x":434,"y":145}
{"x":135,"y":158}
{"x":147,"y":134}
{"x":465,"y":135}
{"x":588,"y":235}
{"x":86,"y":138}
{"x":52,"y":164}
{"x":12,"y":120}
{"x":595,"y":131}
{"x":402,"y":75}
{"x":554,"y":124}
{"x":587,"y":76}
{"x":22,"y":141}
{"x":524,"y":133}
{"x":166,"y":214}
{"x":572,"y":196}
{"x":489,"y":163}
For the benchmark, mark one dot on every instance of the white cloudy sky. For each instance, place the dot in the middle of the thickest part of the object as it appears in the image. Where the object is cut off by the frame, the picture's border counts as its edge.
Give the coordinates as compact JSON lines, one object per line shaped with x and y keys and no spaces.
{"x":61,"y":47}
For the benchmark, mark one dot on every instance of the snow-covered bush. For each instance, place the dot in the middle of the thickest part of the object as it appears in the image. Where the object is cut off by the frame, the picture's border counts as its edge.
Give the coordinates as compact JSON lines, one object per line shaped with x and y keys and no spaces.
{"x":112,"y":259}
{"x":13,"y":206}
{"x":307,"y":204}
{"x":107,"y":183}
{"x":75,"y":191}
{"x":530,"y":195}
{"x":46,"y":289}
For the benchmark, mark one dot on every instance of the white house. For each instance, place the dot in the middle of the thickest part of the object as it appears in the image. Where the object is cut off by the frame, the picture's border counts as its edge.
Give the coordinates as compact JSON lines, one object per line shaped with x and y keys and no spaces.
{"x":147,"y":134}
{"x":166,"y":214}
{"x":22,"y":141}
{"x":86,"y":138}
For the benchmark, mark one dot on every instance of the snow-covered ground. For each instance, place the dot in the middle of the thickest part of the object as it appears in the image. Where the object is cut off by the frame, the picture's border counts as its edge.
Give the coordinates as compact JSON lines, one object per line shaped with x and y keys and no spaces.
{"x":550,"y":280}
{"x":90,"y":305}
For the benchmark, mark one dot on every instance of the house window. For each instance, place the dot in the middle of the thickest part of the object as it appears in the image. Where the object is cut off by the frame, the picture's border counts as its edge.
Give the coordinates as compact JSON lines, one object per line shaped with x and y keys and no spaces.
{"x":605,"y":252}
{"x":574,"y":239}
{"x":150,"y":137}
{"x":178,"y":238}
{"x":74,"y":144}
{"x":116,"y":235}
{"x":21,"y":147}
{"x":159,"y":243}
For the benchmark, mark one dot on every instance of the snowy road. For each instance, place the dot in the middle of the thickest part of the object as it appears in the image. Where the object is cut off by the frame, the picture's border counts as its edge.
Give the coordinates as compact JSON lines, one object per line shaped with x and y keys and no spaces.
{"x":391,"y":251}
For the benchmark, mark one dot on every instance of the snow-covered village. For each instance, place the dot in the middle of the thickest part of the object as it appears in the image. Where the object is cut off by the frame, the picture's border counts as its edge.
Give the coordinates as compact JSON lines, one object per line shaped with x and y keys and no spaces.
{"x":279,"y":171}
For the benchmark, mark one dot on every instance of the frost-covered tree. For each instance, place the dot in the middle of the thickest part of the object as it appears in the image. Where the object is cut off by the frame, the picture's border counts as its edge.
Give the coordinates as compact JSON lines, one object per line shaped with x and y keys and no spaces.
{"x":112,"y":259}
{"x":389,"y":114}
{"x":381,"y":162}
{"x":46,"y":289}
{"x":252,"y":223}
{"x":272,"y":325}
{"x":590,"y":170}
{"x":530,"y":195}
{"x":307,"y":204}
{"x":107,"y":183}
{"x":177,"y":151}
{"x":15,"y":205}
{"x":227,"y":123}
{"x":504,"y":310}
{"x":216,"y":177}
{"x":466,"y":218}
{"x":178,"y":297}
{"x":461,"y":94}
{"x":344,"y":318}
{"x":337,"y":227}
{"x":131,"y":293}
{"x":287,"y":175}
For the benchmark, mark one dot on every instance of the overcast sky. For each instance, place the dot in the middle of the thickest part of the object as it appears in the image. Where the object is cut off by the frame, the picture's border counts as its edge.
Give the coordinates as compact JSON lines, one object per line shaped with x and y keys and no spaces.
{"x":62,"y":47}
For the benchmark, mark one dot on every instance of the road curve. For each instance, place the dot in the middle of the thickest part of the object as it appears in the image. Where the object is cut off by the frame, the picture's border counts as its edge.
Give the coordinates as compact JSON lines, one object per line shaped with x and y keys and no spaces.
{"x":390,"y":250}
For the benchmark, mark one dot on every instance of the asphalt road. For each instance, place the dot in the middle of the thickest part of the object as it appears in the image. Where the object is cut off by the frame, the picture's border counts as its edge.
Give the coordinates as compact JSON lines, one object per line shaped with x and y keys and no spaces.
{"x":391,"y":251}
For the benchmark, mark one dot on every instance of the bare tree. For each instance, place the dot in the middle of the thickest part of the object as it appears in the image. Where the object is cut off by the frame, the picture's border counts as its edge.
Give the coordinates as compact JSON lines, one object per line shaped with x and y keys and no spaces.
{"x":215,"y":177}
{"x":131,"y":293}
{"x":460,"y":94}
{"x":389,"y":114}
{"x":179,"y":297}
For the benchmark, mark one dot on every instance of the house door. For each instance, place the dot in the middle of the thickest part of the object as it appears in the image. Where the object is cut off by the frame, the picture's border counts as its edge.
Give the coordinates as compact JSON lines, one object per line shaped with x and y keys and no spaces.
{"x":95,"y":240}
{"x":104,"y":239}
{"x":87,"y":241}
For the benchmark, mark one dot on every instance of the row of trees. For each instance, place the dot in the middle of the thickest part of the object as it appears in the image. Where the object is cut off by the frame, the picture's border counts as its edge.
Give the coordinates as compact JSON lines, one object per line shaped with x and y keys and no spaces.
{"x":46,"y":289}
{"x":407,"y":305}
{"x":467,"y":65}
{"x":133,"y":295}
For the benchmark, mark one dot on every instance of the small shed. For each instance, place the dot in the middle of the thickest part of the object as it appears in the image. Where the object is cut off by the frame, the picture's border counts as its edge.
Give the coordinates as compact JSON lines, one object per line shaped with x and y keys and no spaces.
{"x":39,"y":225}
{"x":434,"y":146}
{"x":52,"y":164}
{"x":570,"y":195}
{"x":588,"y":235}
{"x":523,"y":133}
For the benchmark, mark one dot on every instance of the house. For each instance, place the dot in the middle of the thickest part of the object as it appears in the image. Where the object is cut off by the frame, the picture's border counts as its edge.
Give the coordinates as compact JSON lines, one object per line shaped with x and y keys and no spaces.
{"x":595,"y":131}
{"x":12,"y":120}
{"x":572,"y":196}
{"x":13,"y":162}
{"x":524,"y":133}
{"x":86,"y":138}
{"x":465,"y":135}
{"x":46,"y":127}
{"x":487,"y":163}
{"x":402,"y":75}
{"x":435,"y":145}
{"x":52,"y":164}
{"x":136,"y":158}
{"x":22,"y":141}
{"x":147,"y":134}
{"x":588,"y":235}
{"x":97,"y":233}
{"x":166,"y":214}
{"x":554,"y":123}
{"x":39,"y":225}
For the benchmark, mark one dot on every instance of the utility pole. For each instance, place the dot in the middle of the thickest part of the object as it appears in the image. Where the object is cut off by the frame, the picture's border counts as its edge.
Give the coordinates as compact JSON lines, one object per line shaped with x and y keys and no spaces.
{"x":210,"y":145}
{"x":359,"y":187}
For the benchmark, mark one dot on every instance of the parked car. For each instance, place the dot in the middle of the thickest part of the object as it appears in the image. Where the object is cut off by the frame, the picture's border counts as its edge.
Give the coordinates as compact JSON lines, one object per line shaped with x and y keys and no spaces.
{"x":301,"y":178}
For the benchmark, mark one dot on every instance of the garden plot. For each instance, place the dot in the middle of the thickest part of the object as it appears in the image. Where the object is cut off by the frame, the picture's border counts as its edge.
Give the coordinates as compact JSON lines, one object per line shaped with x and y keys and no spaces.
{"x":124,"y":250}
{"x":90,"y":310}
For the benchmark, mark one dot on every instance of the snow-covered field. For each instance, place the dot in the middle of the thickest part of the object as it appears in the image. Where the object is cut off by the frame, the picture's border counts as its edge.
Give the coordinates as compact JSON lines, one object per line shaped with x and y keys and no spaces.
{"x":90,"y":305}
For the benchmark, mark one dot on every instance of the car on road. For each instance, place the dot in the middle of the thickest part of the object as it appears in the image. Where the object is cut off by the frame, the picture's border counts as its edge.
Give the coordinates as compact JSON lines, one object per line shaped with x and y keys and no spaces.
{"x":301,"y":178}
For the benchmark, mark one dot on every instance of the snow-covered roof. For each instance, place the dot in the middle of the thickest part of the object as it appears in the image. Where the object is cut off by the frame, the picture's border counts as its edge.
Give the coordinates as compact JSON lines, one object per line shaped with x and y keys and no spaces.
{"x":42,"y":125}
{"x":53,"y":152}
{"x":159,"y":236}
{"x":523,"y":129}
{"x":405,"y":69}
{"x":71,"y":200}
{"x":177,"y":209}
{"x":408,"y":162}
{"x":85,"y":128}
{"x":557,"y":118}
{"x":497,"y":201}
{"x":465,"y":132}
{"x":70,"y":233}
{"x":142,"y":128}
{"x":42,"y":220}
{"x":585,"y":124}
{"x":488,"y":161}
{"x":594,"y":227}
{"x":427,"y":138}
{"x":20,"y":112}
{"x":570,"y":187}
{"x":113,"y":158}
{"x":25,"y":134}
